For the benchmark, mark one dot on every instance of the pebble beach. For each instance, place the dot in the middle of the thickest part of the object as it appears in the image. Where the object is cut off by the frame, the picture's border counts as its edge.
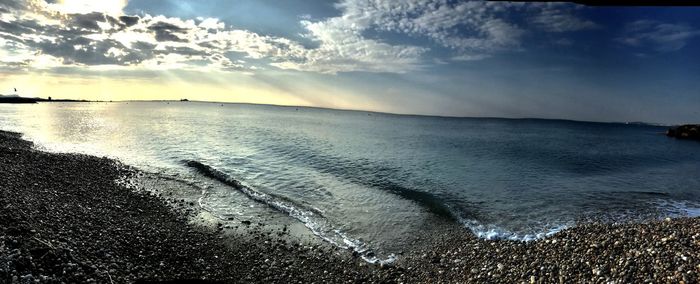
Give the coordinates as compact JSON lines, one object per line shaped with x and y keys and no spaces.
{"x":67,"y":218}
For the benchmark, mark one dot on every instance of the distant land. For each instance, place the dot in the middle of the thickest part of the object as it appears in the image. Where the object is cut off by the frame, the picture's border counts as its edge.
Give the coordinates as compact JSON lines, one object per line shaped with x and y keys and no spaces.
{"x":15,"y":99}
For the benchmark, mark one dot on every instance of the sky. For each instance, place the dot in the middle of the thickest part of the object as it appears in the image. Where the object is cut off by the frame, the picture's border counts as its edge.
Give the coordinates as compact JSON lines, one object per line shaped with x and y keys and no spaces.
{"x":430,"y":57}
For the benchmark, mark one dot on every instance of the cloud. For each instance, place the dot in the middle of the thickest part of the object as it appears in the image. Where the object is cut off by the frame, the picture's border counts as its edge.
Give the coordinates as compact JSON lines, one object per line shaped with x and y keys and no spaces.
{"x":168,"y":32}
{"x":662,"y":37}
{"x":112,"y":7}
{"x":37,"y":30}
{"x":342,"y":48}
{"x":129,"y":20}
{"x":82,"y":33}
{"x":471,"y":29}
{"x":86,"y":36}
{"x":470,"y":57}
{"x":472,"y":26}
{"x":555,"y":19}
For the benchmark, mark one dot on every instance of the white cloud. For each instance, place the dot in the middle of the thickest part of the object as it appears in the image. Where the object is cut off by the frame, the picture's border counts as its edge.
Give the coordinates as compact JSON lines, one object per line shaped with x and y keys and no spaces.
{"x":44,"y":61}
{"x":470,"y":57}
{"x":472,"y":29}
{"x":467,"y":26}
{"x":212,"y":23}
{"x":662,"y":37}
{"x":343,"y":48}
{"x":115,"y":52}
{"x":112,"y":7}
{"x":557,"y":20}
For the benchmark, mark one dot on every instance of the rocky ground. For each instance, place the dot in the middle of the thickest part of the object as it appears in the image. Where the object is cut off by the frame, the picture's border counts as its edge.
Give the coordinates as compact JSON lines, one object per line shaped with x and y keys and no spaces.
{"x":688,"y":131}
{"x":64,"y":218}
{"x":660,"y":251}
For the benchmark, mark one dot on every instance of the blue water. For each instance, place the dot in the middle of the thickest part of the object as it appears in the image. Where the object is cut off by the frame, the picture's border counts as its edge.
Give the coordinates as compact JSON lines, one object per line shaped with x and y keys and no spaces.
{"x":364,"y":179}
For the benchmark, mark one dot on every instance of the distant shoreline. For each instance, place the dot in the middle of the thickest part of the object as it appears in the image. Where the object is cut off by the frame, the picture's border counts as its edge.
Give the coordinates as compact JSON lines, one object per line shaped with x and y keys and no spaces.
{"x":23,"y":100}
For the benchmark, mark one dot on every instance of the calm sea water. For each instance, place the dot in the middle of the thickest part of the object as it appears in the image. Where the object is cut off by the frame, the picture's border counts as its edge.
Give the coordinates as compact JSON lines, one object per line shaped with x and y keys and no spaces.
{"x":363,"y":179}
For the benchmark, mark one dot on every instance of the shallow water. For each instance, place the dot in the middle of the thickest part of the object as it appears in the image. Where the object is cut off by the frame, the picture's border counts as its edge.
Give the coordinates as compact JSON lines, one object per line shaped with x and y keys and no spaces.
{"x":369,"y":180}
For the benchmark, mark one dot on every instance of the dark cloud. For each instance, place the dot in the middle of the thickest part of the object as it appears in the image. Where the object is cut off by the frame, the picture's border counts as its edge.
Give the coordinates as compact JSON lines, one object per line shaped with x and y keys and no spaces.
{"x":90,"y":21}
{"x":15,"y":28}
{"x":207,"y":45}
{"x":129,"y":20}
{"x":12,"y":5}
{"x":90,"y":52}
{"x":87,"y":21}
{"x":140,"y":45}
{"x":163,"y":35}
{"x":163,"y":26}
{"x":71,"y":41}
{"x":167,"y":31}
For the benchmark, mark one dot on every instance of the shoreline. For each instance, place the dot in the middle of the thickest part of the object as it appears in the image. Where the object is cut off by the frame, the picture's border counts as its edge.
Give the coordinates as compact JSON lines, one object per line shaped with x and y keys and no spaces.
{"x":64,"y":217}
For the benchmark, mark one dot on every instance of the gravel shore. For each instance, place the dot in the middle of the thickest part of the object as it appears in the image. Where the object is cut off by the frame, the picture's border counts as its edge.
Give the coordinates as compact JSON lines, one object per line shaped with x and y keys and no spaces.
{"x":65,"y":218}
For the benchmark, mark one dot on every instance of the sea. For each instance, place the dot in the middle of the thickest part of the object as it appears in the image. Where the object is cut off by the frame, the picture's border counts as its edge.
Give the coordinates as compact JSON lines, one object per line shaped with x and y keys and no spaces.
{"x":365,"y":180}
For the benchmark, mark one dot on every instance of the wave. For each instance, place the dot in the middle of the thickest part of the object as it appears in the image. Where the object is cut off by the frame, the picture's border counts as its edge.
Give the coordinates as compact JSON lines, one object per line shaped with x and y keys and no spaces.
{"x":665,"y":209}
{"x":492,"y":232}
{"x":428,"y":201}
{"x":676,"y":209}
{"x":311,"y":218}
{"x":363,"y":172}
{"x":214,"y":173}
{"x":654,"y":193}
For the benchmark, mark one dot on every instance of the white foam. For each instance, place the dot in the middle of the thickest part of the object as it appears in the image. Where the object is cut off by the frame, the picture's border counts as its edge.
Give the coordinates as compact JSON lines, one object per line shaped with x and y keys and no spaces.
{"x":673,"y":209}
{"x":677,"y":209}
{"x":492,"y":232}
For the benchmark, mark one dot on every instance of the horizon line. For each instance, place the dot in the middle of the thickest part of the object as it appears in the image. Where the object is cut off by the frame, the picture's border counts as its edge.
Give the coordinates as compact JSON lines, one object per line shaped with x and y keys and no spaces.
{"x":410,"y":114}
{"x":377,"y":112}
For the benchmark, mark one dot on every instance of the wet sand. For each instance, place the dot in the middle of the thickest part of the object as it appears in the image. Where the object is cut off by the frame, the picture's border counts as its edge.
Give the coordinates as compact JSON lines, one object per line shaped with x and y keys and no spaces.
{"x":68,"y":218}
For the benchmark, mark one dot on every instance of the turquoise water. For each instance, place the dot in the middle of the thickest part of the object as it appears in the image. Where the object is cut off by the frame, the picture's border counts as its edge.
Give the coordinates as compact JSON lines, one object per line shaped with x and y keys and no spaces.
{"x":360,"y":179}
